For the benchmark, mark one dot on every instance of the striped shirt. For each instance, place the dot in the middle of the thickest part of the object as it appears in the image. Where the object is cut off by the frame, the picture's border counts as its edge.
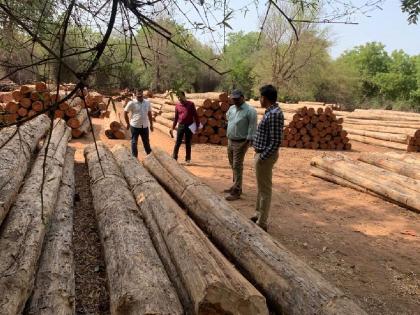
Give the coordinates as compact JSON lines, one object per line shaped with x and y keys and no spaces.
{"x":267,"y":140}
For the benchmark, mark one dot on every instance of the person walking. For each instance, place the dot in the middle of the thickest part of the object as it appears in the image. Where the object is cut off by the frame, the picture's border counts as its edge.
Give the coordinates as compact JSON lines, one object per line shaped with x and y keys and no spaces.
{"x":266,"y":143}
{"x":185,"y":116}
{"x":140,"y":122}
{"x":241,"y":125}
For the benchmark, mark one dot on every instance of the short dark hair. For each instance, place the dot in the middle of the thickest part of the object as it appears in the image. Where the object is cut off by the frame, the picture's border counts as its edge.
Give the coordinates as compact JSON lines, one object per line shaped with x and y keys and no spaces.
{"x":270,"y":92}
{"x":181,"y":93}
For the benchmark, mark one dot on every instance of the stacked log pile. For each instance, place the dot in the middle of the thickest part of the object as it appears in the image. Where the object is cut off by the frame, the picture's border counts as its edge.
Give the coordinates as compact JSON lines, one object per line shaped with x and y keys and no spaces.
{"x":29,"y":100}
{"x":114,"y":124}
{"x":392,"y":129}
{"x":213,"y":284}
{"x":316,"y":129}
{"x":393,"y":177}
{"x":291,"y":286}
{"x":23,"y":231}
{"x":211,"y":109}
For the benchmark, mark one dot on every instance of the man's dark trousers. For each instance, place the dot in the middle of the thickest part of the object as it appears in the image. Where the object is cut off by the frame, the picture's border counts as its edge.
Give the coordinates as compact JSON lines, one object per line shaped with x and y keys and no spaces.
{"x":144,"y":134}
{"x":181,"y":131}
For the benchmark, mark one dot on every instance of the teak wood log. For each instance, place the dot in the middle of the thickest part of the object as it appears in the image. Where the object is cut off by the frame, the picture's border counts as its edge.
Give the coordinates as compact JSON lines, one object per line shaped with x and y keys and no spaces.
{"x":400,"y":138}
{"x":137,"y":280}
{"x":391,"y":164}
{"x":394,"y":123}
{"x":377,"y":180}
{"x":15,"y":157}
{"x":382,"y":143}
{"x":214,"y":285}
{"x":382,"y":129}
{"x":77,"y":121}
{"x":54,"y":290}
{"x":411,"y":158}
{"x":373,"y":115}
{"x":162,"y":128}
{"x":23,"y":230}
{"x":290,"y":285}
{"x":169,"y":116}
{"x":163,"y":121}
{"x":82,"y":130}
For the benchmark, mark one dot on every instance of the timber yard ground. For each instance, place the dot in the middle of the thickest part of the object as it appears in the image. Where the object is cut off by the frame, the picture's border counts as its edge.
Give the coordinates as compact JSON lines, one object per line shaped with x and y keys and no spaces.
{"x":367,"y":247}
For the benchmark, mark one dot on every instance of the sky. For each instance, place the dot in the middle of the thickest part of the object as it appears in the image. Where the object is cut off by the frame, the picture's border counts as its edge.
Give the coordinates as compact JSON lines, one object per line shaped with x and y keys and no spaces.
{"x":387,"y":25}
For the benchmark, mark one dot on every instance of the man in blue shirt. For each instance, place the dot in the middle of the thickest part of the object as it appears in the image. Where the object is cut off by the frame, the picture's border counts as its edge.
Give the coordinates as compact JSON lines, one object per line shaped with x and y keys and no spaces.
{"x":242,"y":122}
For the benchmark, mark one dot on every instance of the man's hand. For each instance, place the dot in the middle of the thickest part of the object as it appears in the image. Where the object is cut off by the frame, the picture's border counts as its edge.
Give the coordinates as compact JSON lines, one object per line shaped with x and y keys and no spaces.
{"x":171,"y":132}
{"x":128,"y":127}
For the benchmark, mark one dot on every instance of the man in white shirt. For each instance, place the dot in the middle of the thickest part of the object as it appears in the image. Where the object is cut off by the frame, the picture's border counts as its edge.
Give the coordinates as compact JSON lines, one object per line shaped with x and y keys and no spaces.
{"x":141,"y":119}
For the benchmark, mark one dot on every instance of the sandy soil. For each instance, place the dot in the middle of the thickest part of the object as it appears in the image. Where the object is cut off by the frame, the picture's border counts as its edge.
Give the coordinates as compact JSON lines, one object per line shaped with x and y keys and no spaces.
{"x":366,"y":246}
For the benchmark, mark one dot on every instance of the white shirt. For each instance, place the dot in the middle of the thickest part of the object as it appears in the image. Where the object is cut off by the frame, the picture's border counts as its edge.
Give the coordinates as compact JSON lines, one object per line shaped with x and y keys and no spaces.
{"x":139,"y":113}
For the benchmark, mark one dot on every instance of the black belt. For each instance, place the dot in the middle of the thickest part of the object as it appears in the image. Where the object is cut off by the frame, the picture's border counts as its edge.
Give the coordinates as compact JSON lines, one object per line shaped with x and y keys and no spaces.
{"x":259,"y":151}
{"x":236,"y":140}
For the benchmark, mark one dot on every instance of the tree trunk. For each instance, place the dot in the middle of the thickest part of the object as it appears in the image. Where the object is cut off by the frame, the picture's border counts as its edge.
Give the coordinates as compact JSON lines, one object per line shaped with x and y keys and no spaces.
{"x":374,"y":115}
{"x":214,"y":285}
{"x":391,"y":164}
{"x":400,"y":189}
{"x":23,"y":231}
{"x":382,"y":143}
{"x":169,"y":116}
{"x":54,"y":291}
{"x":400,"y":138}
{"x":162,"y":128}
{"x":288,"y":283}
{"x":382,"y":129}
{"x":82,"y":130}
{"x":15,"y":157}
{"x":163,"y":121}
{"x":137,"y":280}
{"x":397,"y":123}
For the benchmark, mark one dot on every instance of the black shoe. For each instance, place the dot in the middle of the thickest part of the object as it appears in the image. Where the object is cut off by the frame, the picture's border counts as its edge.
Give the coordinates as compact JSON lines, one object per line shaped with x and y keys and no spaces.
{"x":233,"y":197}
{"x":254,"y":218}
{"x":227,"y":191}
{"x":264,"y":227}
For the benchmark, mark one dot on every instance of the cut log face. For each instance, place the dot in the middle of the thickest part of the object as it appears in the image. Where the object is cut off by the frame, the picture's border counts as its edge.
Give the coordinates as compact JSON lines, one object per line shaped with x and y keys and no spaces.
{"x":214,"y":286}
{"x":291,"y":286}
{"x":54,"y":291}
{"x":137,"y":280}
{"x":15,"y":157}
{"x":23,"y":231}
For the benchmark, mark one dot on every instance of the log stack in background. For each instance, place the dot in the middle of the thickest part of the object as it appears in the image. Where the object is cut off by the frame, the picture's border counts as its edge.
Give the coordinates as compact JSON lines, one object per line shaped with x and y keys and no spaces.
{"x":392,"y":177}
{"x":316,"y":129}
{"x":392,"y":129}
{"x":29,"y":100}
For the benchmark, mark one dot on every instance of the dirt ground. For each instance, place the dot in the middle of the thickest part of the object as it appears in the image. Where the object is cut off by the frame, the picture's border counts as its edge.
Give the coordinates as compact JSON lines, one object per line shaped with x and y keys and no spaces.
{"x":366,"y":246}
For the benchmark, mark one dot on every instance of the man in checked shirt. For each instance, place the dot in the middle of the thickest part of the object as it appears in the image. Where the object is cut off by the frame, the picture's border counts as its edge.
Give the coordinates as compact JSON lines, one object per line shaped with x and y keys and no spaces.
{"x":266,"y":143}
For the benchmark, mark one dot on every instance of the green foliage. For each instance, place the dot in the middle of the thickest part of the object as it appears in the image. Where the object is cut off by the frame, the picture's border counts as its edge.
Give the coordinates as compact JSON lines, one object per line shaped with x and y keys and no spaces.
{"x":412,"y":7}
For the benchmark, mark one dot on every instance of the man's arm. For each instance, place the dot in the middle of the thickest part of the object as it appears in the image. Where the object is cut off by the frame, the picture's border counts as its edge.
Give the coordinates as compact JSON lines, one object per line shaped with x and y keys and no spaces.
{"x":252,"y":126}
{"x":275,"y":125}
{"x":175,"y":119}
{"x":126,"y":110}
{"x":149,"y":114}
{"x":196,"y":118}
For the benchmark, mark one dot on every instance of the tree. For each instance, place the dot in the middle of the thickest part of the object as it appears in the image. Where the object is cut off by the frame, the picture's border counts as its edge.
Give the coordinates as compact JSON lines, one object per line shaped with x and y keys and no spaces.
{"x":412,"y":7}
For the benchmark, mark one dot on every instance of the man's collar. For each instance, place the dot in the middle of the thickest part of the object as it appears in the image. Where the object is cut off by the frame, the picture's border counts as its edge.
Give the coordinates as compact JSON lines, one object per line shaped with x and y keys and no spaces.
{"x":272,"y":106}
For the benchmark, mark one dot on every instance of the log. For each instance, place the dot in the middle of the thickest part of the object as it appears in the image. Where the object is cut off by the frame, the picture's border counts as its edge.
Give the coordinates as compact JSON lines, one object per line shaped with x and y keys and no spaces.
{"x":169,"y":116}
{"x":395,"y":123}
{"x":400,"y":138}
{"x":290,"y":285}
{"x":391,"y":164}
{"x":77,"y":121}
{"x":383,"y":129}
{"x":116,"y":124}
{"x":162,"y":128}
{"x":412,"y":158}
{"x":15,"y":157}
{"x":165,"y":122}
{"x":82,"y":130}
{"x":220,"y":96}
{"x":137,"y":281}
{"x":12,"y":107}
{"x":373,"y":115}
{"x":54,"y":290}
{"x":382,"y":143}
{"x":400,"y":189}
{"x":24,"y":228}
{"x":214,"y":285}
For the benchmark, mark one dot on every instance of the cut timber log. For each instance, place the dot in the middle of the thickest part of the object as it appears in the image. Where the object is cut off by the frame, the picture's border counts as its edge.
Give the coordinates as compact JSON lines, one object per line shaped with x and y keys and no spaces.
{"x":402,"y":190}
{"x":137,"y":280}
{"x":382,"y":143}
{"x":169,"y":116}
{"x":374,"y":115}
{"x":412,"y":158}
{"x":163,"y":121}
{"x":290,"y":285}
{"x":54,"y":291}
{"x":82,"y":130}
{"x":116,"y":124}
{"x":24,"y":228}
{"x":394,"y":123}
{"x":382,"y":129}
{"x":15,"y":157}
{"x":400,"y":138}
{"x":391,"y":164}
{"x":77,"y":121}
{"x":162,"y":128}
{"x":214,"y":285}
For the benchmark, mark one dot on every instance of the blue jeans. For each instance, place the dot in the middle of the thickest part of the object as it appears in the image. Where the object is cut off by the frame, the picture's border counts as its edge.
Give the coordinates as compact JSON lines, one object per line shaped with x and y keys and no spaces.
{"x":144,"y":134}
